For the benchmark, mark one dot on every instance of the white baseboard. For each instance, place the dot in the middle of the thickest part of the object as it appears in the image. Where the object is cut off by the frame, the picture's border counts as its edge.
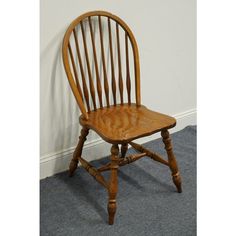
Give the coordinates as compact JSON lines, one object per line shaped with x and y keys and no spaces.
{"x":57,"y":162}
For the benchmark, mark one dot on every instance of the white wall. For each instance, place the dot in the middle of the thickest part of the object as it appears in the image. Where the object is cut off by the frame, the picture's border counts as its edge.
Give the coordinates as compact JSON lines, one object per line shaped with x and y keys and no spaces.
{"x":165,"y":31}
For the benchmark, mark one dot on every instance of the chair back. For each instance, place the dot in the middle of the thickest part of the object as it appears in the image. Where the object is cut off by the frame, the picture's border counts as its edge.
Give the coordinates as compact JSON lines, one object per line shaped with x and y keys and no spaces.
{"x":101,"y":60}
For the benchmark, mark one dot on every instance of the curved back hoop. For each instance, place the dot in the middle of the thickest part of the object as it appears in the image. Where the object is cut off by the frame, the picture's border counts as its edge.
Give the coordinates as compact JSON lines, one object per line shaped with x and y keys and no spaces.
{"x":81,"y":89}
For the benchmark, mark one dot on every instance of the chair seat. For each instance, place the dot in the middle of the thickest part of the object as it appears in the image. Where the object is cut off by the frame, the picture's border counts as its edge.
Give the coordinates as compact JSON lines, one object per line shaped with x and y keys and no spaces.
{"x":124,"y":123}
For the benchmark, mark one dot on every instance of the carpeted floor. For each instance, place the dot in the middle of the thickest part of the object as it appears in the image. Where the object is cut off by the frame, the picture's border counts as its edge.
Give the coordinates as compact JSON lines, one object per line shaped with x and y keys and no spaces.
{"x":148,"y":203}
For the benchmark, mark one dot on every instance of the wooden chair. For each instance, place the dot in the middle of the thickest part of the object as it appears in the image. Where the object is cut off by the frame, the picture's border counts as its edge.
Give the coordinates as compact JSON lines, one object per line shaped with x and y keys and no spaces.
{"x":101,"y":96}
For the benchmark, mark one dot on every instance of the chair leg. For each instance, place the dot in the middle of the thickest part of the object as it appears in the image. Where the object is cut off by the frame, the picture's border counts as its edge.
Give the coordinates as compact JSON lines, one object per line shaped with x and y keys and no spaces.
{"x":172,"y":161}
{"x":113,"y":183}
{"x":124,"y":148}
{"x":78,"y":151}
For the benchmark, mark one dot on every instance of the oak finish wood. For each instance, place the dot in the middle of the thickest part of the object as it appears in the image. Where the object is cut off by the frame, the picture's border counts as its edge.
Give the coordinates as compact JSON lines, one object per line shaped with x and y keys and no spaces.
{"x":91,"y":85}
{"x":124,"y":148}
{"x":94,"y":172}
{"x":113,"y":183}
{"x":85,"y":89}
{"x":119,"y":64}
{"x":112,"y":63}
{"x":74,"y":69}
{"x":124,"y":123}
{"x":118,"y":123}
{"x":150,"y":154}
{"x":171,"y":159}
{"x":122,"y":162}
{"x":128,"y":82}
{"x":106,"y":86}
{"x":99,"y":87}
{"x":78,"y":151}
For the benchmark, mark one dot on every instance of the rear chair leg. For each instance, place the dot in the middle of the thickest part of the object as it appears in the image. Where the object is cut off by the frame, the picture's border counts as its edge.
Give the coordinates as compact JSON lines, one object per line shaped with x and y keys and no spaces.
{"x":172,"y":161}
{"x":78,"y":151}
{"x":113,"y":183}
{"x":124,"y":148}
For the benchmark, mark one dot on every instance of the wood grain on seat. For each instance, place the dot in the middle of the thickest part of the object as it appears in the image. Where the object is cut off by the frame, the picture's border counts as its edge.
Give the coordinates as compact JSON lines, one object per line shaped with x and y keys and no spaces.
{"x":123,"y":123}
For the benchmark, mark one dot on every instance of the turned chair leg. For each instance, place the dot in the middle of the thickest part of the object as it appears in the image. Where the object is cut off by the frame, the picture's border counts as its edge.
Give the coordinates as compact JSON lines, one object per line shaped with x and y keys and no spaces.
{"x":124,"y":148}
{"x":78,"y":151}
{"x":113,"y":183}
{"x":172,"y":161}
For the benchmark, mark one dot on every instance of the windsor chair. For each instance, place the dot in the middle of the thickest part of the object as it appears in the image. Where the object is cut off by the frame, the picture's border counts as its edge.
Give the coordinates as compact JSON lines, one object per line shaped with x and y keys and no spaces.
{"x":92,"y":45}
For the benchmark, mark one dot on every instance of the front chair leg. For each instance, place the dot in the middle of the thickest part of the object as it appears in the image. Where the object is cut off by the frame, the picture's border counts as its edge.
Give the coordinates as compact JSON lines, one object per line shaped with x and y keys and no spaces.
{"x":78,"y":151}
{"x":113,"y":188}
{"x":172,"y":161}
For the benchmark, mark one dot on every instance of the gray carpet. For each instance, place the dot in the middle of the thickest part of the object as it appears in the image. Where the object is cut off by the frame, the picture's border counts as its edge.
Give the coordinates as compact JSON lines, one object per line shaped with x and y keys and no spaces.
{"x":148,"y":203}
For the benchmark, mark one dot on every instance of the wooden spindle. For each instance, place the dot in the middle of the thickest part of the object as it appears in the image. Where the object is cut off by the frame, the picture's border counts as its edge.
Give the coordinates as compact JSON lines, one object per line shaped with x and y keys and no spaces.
{"x":113,"y":81}
{"x":85,"y":89}
{"x":74,"y":69}
{"x":106,"y":86}
{"x":93,"y":171}
{"x":128,"y":83}
{"x":119,"y":64}
{"x":131,"y":158}
{"x":150,"y":154}
{"x":99,"y":88}
{"x":91,"y":86}
{"x":123,"y":161}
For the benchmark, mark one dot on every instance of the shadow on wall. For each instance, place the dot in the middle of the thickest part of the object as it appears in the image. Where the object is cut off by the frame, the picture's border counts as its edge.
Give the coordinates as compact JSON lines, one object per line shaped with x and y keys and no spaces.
{"x":59,"y":113}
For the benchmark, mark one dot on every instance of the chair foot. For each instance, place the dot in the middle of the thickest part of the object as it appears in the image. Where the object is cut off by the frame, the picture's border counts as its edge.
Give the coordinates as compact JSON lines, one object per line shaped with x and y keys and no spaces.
{"x":72,"y":167}
{"x":177,"y":182}
{"x":113,"y":184}
{"x":171,"y":159}
{"x":111,"y":211}
{"x":78,"y":151}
